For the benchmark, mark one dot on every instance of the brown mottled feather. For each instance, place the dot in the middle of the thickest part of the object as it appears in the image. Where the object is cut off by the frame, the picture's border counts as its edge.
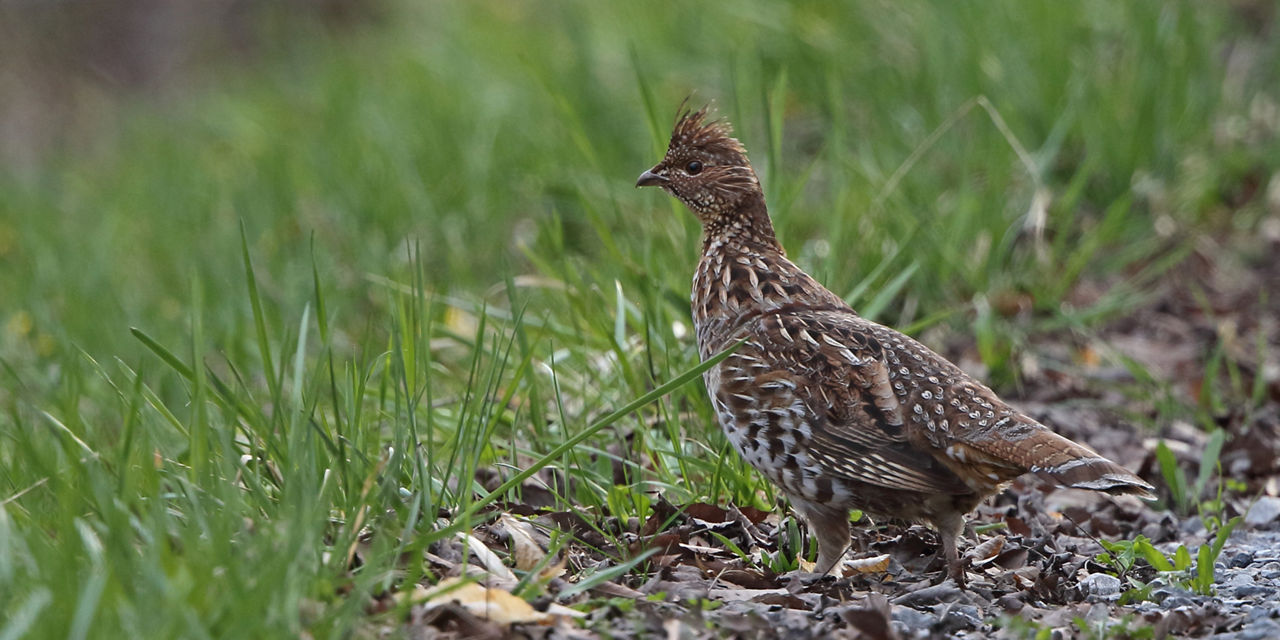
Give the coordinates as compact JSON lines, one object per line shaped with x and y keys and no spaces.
{"x":840,"y":412}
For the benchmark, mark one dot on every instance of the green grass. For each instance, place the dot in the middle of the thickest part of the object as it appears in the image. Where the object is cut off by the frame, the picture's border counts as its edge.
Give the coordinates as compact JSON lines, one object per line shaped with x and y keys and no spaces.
{"x":381,"y":261}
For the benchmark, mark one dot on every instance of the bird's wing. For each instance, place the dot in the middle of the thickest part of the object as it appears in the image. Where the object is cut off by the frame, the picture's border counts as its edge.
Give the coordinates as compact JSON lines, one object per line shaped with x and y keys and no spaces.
{"x":857,"y":427}
{"x":968,"y":428}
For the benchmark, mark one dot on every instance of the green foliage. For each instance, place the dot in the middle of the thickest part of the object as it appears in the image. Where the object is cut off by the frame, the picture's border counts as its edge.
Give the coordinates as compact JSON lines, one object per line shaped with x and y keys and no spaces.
{"x":1123,"y":555}
{"x":1185,"y":496}
{"x":1121,"y":629}
{"x":790,"y":548}
{"x":1126,"y":628}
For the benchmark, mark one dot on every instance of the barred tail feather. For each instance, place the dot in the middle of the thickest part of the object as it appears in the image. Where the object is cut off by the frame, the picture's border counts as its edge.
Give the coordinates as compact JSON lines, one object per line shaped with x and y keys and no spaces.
{"x":1073,"y":465}
{"x":1035,"y":448}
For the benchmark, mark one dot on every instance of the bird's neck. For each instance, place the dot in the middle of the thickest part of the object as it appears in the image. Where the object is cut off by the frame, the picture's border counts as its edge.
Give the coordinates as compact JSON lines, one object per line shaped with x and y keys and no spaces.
{"x":743,"y":273}
{"x":746,"y":227}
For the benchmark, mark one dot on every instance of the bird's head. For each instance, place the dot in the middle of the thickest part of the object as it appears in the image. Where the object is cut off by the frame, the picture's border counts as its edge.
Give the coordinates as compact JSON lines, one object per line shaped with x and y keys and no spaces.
{"x":705,"y":168}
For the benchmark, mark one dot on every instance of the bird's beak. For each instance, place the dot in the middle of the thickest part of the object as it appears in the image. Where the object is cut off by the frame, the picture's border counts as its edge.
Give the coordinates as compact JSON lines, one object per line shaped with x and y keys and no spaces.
{"x":650,"y":179}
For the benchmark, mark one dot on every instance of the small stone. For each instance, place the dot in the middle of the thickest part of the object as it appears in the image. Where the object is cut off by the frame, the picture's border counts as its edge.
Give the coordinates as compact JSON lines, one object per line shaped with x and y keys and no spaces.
{"x":1264,"y":629}
{"x":1271,"y":570}
{"x":1251,"y":591}
{"x":1241,"y":560}
{"x":1101,"y":584}
{"x":1191,"y":525}
{"x":1153,"y":531}
{"x":1263,"y":512}
{"x":1171,"y":598}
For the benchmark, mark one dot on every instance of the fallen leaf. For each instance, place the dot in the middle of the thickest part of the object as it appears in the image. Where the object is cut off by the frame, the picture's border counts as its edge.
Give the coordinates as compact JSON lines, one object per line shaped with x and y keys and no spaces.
{"x":873,"y":620}
{"x":526,"y":551}
{"x":495,"y":605}
{"x":987,"y":551}
{"x":739,"y":595}
{"x":488,"y":559}
{"x":874,"y":564}
{"x":711,"y":551}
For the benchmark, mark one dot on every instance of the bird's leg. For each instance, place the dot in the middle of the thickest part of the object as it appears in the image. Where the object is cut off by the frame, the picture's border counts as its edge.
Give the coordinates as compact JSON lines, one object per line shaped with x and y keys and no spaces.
{"x":831,"y":526}
{"x":949,"y":528}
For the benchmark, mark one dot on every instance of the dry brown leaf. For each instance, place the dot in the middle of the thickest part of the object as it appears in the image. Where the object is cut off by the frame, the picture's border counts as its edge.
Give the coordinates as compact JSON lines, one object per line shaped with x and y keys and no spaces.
{"x":495,"y":605}
{"x":488,"y":559}
{"x":1025,"y":577}
{"x":741,"y":595}
{"x":711,"y":551}
{"x":987,"y":551}
{"x":526,"y":551}
{"x":874,"y":564}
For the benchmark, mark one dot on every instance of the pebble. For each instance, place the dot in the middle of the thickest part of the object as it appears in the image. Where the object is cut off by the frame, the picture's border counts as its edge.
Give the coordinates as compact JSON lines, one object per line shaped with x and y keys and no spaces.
{"x":1191,"y":525}
{"x":1245,"y":604}
{"x":1172,"y":598}
{"x":1263,"y":512}
{"x":1253,"y":591}
{"x":1241,"y":560}
{"x":1153,"y":530}
{"x":1264,"y":629}
{"x":1101,"y":584}
{"x":1257,"y":613}
{"x":1270,"y":570}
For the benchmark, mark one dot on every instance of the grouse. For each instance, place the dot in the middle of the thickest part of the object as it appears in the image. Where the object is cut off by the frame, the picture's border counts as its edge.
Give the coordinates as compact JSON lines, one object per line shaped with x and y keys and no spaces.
{"x":838,"y":411}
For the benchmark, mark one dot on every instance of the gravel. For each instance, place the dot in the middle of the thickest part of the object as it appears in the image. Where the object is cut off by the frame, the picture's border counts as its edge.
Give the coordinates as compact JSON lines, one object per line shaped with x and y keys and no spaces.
{"x":1245,"y":605}
{"x":1265,"y":629}
{"x":1264,"y":512}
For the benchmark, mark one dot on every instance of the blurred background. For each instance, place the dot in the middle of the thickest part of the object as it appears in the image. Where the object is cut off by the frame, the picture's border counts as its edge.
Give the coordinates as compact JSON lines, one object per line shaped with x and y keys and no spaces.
{"x":500,"y":140}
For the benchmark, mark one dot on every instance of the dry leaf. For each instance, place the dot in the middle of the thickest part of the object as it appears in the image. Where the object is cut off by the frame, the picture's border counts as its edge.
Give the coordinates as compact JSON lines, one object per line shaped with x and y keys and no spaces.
{"x":711,"y":551}
{"x":874,"y":564}
{"x":488,"y":559}
{"x":987,"y":551}
{"x":495,"y":605}
{"x":526,"y":551}
{"x":739,"y":595}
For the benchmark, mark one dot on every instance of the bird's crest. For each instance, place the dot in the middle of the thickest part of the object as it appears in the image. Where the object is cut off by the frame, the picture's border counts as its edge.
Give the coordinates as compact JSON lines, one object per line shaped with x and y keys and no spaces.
{"x":712,"y":137}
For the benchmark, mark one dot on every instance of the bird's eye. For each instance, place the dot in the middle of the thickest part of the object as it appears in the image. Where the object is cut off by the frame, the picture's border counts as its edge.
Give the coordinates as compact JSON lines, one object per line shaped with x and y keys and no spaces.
{"x":693,"y":168}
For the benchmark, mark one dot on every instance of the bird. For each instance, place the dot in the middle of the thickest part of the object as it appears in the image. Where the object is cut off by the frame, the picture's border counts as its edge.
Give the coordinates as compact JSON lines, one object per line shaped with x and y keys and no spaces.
{"x":837,"y":411}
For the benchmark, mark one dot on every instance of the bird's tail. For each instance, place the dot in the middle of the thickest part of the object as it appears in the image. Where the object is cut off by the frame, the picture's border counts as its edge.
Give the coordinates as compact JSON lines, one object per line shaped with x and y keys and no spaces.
{"x":1074,"y":465}
{"x":1055,"y":458}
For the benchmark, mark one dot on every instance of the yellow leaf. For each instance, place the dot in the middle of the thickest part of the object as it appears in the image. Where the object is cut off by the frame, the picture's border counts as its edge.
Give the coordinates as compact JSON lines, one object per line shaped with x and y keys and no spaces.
{"x":874,"y":564}
{"x":528,"y":554}
{"x":495,"y":605}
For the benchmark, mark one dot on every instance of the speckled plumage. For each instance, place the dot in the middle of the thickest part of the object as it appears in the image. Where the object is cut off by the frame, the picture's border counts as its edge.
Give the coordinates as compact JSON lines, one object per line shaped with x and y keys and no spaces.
{"x":838,"y":411}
